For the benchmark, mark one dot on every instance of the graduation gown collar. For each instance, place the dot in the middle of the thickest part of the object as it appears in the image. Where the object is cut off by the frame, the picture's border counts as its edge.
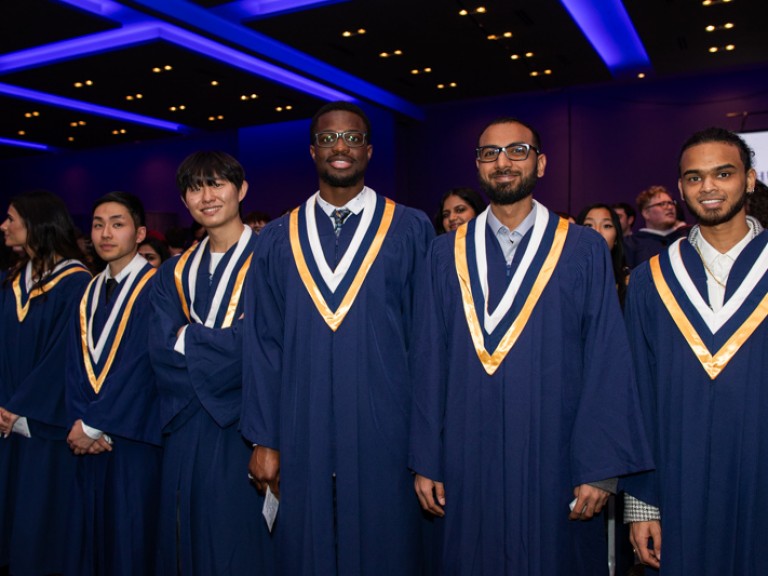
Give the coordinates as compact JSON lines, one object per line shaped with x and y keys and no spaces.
{"x":23,"y":281}
{"x":334,"y":291}
{"x":139,"y":273}
{"x":679,"y":277}
{"x":500,"y":329}
{"x":228,"y":277}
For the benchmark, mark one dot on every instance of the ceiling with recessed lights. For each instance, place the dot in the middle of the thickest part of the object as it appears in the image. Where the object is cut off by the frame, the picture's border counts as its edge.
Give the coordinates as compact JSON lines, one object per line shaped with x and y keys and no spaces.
{"x":78,"y":74}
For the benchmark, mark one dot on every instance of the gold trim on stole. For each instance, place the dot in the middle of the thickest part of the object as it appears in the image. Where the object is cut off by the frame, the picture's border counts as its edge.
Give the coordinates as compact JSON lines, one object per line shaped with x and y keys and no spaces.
{"x":712,"y":365}
{"x":21,"y":311}
{"x":491,"y":362}
{"x":178,"y":277}
{"x":97,"y":382}
{"x":334,"y":319}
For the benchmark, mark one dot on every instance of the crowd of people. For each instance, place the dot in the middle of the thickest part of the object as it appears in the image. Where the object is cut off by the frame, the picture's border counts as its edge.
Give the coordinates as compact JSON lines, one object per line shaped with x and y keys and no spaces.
{"x":353,"y":389}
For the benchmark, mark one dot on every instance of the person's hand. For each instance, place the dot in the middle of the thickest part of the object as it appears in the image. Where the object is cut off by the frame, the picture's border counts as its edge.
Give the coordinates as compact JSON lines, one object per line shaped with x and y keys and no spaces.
{"x":431,"y":494}
{"x":7,"y":420}
{"x":264,"y":469}
{"x":589,"y":501}
{"x":78,"y":441}
{"x":99,"y":446}
{"x":641,"y":534}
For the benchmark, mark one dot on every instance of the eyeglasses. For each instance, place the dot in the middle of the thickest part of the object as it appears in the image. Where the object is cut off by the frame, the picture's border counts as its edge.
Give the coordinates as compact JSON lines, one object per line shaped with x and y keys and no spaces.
{"x":352,"y":138}
{"x":663,"y":204}
{"x":515,"y":151}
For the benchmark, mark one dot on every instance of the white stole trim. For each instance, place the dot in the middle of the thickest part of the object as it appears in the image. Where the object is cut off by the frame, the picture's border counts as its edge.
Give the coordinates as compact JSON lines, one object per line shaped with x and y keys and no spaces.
{"x":333,"y":278}
{"x":218,"y":296}
{"x":716,"y":320}
{"x":491,"y":321}
{"x":132,"y":270}
{"x":29,"y":282}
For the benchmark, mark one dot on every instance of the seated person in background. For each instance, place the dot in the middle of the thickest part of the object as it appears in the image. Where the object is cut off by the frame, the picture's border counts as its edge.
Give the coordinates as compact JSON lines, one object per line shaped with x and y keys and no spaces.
{"x":457,"y":206}
{"x":660,"y":214}
{"x":605,"y":221}
{"x":626,"y":216}
{"x":177,"y":240}
{"x":257,"y":220}
{"x":154,"y":250}
{"x":757,"y":203}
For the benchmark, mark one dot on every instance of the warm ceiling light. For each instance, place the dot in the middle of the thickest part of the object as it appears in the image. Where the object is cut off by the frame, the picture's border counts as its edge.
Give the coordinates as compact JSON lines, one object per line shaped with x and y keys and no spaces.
{"x":427,"y":70}
{"x":547,"y":71}
{"x":713,"y":49}
{"x":463,"y":12}
{"x":70,"y":139}
{"x":398,"y":52}
{"x":507,"y":34}
{"x":81,"y":122}
{"x":492,"y":37}
{"x":116,"y":132}
{"x":129,"y":97}
{"x":730,"y":47}
{"x":384,"y":55}
{"x":214,"y":82}
{"x":440,"y":86}
{"x":249,"y":97}
{"x":529,"y":54}
{"x":710,"y":28}
{"x":33,"y":114}
{"x":21,"y":133}
{"x":346,"y":34}
{"x":480,"y":10}
{"x":156,"y":70}
{"x":349,"y":34}
{"x":167,"y":67}
{"x":134,"y":97}
{"x":73,"y":124}
{"x":728,"y":25}
{"x":534,"y":73}
{"x":452,"y":84}
{"x":78,"y":84}
{"x":641,"y":75}
{"x":515,"y":56}
{"x":361,"y":30}
{"x":414,"y":71}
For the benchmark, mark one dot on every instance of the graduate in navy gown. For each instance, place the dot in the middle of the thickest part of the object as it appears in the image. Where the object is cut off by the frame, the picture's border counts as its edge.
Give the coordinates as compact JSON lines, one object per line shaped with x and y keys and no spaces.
{"x":696,"y":317}
{"x":523,"y":413}
{"x":113,"y":406}
{"x":210,"y":514}
{"x":328,"y":328}
{"x":40,"y":297}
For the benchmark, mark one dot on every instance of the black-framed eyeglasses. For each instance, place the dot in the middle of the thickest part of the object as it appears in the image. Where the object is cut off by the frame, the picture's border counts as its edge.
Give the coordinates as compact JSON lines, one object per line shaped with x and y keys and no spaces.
{"x":515,"y":151}
{"x":663,"y":204}
{"x":352,"y":138}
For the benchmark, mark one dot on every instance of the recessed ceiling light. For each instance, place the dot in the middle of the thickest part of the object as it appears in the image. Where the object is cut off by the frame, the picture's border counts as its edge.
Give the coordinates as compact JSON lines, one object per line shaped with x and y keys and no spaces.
{"x":641,"y":75}
{"x":70,"y":139}
{"x":214,"y":82}
{"x":710,"y":28}
{"x":529,"y":54}
{"x":713,"y":49}
{"x":730,"y":47}
{"x":33,"y":114}
{"x":515,"y":56}
{"x":21,"y":133}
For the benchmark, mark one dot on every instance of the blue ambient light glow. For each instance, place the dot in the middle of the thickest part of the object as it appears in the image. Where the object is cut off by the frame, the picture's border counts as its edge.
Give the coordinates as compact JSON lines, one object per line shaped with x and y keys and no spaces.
{"x":242,"y":9}
{"x":608,"y":28}
{"x":61,"y":102}
{"x":22,"y":144}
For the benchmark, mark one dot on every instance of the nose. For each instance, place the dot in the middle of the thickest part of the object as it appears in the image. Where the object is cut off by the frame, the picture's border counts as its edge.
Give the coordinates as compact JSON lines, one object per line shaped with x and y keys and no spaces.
{"x":340,"y":144}
{"x":207,"y":194}
{"x":502,"y":160}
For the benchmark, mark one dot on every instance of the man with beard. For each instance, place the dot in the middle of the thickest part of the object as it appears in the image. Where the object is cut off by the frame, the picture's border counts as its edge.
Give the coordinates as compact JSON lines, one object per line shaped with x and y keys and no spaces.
{"x":328,"y":316}
{"x":522,"y":404}
{"x":695,"y":315}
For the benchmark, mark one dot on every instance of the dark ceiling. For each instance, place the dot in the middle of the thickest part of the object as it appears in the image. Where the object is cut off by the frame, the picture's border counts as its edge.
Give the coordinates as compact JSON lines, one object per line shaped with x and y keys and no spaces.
{"x":232,"y":65}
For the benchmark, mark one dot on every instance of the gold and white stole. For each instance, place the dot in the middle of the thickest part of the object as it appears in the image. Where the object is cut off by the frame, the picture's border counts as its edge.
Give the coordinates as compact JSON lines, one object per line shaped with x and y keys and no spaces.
{"x":713,"y":364}
{"x":491,"y":361}
{"x":92,"y":351}
{"x":59,"y":272}
{"x":332,"y":278}
{"x":196,"y":253}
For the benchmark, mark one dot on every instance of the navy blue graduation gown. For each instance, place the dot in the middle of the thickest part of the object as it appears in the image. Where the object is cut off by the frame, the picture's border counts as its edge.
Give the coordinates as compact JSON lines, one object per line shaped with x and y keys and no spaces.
{"x":559,"y":411}
{"x":337,"y":402}
{"x":41,"y":468}
{"x":709,"y":436}
{"x":207,"y":503}
{"x":113,"y":509}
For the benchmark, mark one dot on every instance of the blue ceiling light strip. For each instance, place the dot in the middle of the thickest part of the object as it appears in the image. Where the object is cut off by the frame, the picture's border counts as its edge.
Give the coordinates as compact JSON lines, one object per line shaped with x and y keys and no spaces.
{"x":247,"y":9}
{"x":202,"y":19}
{"x":22,"y":144}
{"x":609,"y":29}
{"x":61,"y":102}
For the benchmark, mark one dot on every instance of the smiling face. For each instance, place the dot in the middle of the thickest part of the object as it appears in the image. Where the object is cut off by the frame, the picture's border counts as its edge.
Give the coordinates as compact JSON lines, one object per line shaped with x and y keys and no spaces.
{"x":456,"y":211}
{"x":14,"y":230}
{"x":115,"y":236}
{"x":714,"y":182}
{"x":341,"y":166}
{"x":508,"y":181}
{"x":600,"y":220}
{"x":214,"y":203}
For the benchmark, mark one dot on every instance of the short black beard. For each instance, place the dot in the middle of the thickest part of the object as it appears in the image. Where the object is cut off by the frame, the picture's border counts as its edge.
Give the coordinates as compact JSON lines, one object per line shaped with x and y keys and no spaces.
{"x":716,"y":219}
{"x":346,"y":181}
{"x":506,"y":194}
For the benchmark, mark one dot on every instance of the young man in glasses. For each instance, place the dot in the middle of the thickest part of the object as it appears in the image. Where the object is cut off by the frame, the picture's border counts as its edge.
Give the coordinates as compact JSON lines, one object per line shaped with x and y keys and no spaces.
{"x":660,"y":214}
{"x":696,"y":318}
{"x":523,"y":414}
{"x":329,"y":309}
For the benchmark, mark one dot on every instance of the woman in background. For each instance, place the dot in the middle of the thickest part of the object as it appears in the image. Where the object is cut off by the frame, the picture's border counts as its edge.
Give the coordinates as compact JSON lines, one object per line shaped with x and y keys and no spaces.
{"x":39,"y":298}
{"x":606,"y":222}
{"x":457,"y":206}
{"x":155,"y":251}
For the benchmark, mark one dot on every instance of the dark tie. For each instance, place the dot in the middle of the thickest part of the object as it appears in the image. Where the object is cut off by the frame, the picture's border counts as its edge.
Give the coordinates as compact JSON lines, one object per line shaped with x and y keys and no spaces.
{"x":339,"y":217}
{"x":111,"y":284}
